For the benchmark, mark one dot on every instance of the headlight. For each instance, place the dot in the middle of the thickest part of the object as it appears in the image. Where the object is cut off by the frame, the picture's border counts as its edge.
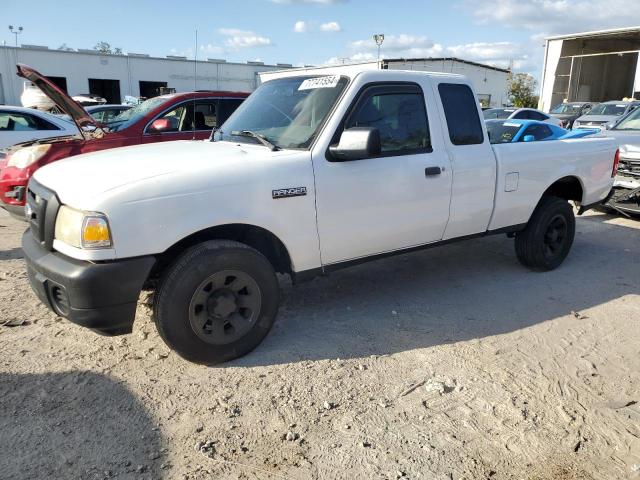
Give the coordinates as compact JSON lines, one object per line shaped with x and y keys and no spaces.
{"x":25,"y":156}
{"x":82,"y":229}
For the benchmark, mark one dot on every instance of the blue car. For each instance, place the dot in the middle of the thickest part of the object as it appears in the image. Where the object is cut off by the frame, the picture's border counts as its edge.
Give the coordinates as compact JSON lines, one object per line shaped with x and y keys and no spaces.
{"x":512,"y":131}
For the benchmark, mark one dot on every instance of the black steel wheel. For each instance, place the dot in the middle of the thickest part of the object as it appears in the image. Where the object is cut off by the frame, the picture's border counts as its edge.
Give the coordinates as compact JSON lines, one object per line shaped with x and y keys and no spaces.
{"x":216,"y":302}
{"x":224,"y":307}
{"x":555,"y":236}
{"x":547,"y":239}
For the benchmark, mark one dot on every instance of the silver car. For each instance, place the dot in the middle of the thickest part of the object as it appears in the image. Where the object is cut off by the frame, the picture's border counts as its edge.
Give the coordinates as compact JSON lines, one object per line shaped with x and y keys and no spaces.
{"x":604,"y":113}
{"x":626,"y":188}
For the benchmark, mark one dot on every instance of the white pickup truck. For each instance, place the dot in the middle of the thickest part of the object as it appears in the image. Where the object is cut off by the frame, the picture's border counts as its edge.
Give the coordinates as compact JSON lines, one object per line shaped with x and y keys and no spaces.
{"x":311,"y":174}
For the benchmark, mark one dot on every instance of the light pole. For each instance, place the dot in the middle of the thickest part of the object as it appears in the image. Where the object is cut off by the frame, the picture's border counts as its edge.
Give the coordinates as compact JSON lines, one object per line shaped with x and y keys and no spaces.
{"x":16,"y":31}
{"x":378,"y":38}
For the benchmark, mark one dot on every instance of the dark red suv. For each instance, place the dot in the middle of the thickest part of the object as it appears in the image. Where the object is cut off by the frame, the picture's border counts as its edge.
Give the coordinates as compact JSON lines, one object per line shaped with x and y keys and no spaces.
{"x":179,"y":116}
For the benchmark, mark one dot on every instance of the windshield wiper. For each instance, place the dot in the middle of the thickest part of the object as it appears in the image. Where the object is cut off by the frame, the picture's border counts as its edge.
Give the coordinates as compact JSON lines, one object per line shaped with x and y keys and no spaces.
{"x":258,"y":136}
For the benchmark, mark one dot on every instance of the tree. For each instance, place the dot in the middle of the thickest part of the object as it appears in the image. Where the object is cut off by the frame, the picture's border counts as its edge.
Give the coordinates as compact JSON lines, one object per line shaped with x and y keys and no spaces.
{"x":65,"y":48}
{"x":105,"y":47}
{"x":522,"y":88}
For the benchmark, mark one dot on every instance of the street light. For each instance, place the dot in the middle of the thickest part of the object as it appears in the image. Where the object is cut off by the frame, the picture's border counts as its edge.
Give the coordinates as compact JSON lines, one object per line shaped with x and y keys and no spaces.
{"x":378,"y":38}
{"x":16,"y":31}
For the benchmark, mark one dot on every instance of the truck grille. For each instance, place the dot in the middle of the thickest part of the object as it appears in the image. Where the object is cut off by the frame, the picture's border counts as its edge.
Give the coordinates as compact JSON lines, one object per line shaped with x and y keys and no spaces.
{"x":629,"y":166}
{"x":41,"y":211}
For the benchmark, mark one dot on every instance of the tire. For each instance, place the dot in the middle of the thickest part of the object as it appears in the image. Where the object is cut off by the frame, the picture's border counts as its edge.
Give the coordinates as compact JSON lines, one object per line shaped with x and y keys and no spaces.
{"x":545,"y":242}
{"x":216,"y":302}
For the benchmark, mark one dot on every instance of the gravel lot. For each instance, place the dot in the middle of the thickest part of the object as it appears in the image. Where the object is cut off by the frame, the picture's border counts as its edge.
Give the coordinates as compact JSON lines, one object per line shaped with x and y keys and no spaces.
{"x":449,"y":363}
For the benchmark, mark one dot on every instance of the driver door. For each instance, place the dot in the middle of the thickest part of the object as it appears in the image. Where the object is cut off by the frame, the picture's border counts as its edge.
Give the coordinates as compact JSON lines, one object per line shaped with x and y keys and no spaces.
{"x":395,"y":200}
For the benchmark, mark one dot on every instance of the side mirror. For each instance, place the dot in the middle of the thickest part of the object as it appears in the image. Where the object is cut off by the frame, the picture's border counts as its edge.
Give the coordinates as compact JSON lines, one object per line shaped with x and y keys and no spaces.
{"x":160,"y":125}
{"x":357,"y":143}
{"x":529,"y":138}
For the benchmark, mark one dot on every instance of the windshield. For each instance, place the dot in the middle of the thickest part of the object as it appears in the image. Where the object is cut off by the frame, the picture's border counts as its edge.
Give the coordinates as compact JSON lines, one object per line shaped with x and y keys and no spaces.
{"x":497,"y":113}
{"x":502,"y":132}
{"x":288,"y":112}
{"x":608,"y":109}
{"x":131,"y":116}
{"x":630,"y":122}
{"x":566,"y":108}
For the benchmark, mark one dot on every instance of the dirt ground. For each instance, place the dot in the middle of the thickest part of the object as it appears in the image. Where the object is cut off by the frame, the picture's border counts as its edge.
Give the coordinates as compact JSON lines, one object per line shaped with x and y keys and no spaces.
{"x":449,"y":363}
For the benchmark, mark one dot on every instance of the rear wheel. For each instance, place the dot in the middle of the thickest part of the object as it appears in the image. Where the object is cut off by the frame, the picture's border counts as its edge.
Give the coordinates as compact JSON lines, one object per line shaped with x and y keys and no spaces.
{"x":545,"y":242}
{"x":216,"y":302}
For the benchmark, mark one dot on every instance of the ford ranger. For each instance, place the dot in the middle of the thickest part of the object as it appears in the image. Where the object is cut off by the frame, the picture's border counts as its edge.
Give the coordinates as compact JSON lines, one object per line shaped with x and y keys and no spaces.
{"x":313,"y":172}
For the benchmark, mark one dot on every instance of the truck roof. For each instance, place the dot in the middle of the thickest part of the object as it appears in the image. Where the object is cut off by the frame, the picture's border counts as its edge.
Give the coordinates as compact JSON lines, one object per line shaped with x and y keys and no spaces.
{"x":351,"y":71}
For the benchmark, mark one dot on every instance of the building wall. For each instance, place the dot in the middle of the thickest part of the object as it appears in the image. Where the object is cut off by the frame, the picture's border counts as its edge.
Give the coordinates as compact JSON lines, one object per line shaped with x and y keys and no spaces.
{"x":78,"y":67}
{"x":488,"y":82}
{"x":594,"y":66}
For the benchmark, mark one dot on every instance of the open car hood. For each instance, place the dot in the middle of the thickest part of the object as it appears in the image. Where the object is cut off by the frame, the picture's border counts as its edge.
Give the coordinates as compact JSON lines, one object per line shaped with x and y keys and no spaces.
{"x":89,"y":128}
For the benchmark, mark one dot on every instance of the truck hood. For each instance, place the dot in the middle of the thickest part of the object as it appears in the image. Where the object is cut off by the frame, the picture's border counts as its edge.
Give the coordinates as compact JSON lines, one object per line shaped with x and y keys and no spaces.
{"x":81,"y":180}
{"x":86,"y":124}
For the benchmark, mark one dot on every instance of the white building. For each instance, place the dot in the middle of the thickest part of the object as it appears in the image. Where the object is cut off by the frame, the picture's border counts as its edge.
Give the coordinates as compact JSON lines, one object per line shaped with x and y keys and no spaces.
{"x":490,"y":82}
{"x":591,"y":67}
{"x":114,"y":76}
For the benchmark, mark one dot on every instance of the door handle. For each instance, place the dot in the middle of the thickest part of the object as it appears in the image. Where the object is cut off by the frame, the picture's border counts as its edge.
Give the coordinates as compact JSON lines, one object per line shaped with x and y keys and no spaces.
{"x":431,"y":171}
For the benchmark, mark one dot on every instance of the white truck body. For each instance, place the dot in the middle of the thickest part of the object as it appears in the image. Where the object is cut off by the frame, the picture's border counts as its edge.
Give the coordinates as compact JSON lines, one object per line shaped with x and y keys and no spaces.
{"x":309,"y":175}
{"x":155,"y":195}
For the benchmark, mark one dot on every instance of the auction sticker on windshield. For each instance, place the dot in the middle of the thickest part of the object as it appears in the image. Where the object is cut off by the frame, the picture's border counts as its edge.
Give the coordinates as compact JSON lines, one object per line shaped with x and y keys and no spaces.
{"x":320,"y":82}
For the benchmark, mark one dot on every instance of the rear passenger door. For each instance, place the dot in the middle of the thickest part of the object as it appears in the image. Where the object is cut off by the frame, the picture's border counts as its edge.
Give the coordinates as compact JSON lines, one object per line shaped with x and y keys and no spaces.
{"x":472,"y":159}
{"x":394,"y":200}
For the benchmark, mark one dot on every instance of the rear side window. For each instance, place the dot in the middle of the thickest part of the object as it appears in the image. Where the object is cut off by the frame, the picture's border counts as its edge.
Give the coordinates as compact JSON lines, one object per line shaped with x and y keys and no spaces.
{"x":461,"y":112}
{"x":537,"y":116}
{"x":23,"y":122}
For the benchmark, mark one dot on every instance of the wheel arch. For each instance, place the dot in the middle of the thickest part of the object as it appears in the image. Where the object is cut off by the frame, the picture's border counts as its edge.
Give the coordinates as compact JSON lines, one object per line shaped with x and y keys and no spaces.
{"x":569,"y":187}
{"x":259,"y":238}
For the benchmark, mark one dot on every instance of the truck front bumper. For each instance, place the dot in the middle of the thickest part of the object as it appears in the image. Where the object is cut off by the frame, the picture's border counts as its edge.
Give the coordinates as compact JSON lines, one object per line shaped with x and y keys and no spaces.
{"x":99,"y":296}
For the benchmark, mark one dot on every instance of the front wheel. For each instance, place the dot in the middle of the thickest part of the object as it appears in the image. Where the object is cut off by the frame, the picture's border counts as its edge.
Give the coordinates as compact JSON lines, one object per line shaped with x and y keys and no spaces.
{"x":216,"y":302}
{"x":545,"y":242}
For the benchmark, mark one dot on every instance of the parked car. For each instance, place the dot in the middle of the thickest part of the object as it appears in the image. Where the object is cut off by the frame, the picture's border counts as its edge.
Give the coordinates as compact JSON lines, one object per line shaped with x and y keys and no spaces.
{"x":513,"y":131}
{"x":180,"y":116}
{"x":104,"y":113}
{"x":568,"y":112}
{"x":86,"y":99}
{"x":519,"y":114}
{"x":19,"y":124}
{"x":311,"y":174}
{"x":626,"y":187}
{"x":604,"y":113}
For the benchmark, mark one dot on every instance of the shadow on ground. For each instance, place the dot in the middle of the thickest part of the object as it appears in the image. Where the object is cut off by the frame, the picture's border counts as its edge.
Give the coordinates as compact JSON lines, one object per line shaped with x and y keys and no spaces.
{"x":11,"y":254}
{"x":74,"y":425}
{"x":468,"y":290}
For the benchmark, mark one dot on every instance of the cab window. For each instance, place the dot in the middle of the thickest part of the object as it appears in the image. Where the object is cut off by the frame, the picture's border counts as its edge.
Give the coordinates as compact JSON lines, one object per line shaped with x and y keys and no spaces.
{"x":399,"y":115}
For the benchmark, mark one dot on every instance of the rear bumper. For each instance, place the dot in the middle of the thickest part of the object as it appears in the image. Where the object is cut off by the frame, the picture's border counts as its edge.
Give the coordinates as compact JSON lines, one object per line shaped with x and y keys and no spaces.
{"x":99,"y":296}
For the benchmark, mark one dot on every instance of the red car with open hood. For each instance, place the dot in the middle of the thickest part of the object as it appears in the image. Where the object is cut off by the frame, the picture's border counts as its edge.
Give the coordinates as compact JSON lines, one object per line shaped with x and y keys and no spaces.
{"x":179,"y":116}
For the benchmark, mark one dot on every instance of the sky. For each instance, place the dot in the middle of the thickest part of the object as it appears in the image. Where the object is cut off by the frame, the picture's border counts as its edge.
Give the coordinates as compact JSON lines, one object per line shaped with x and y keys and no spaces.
{"x":317,"y":32}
